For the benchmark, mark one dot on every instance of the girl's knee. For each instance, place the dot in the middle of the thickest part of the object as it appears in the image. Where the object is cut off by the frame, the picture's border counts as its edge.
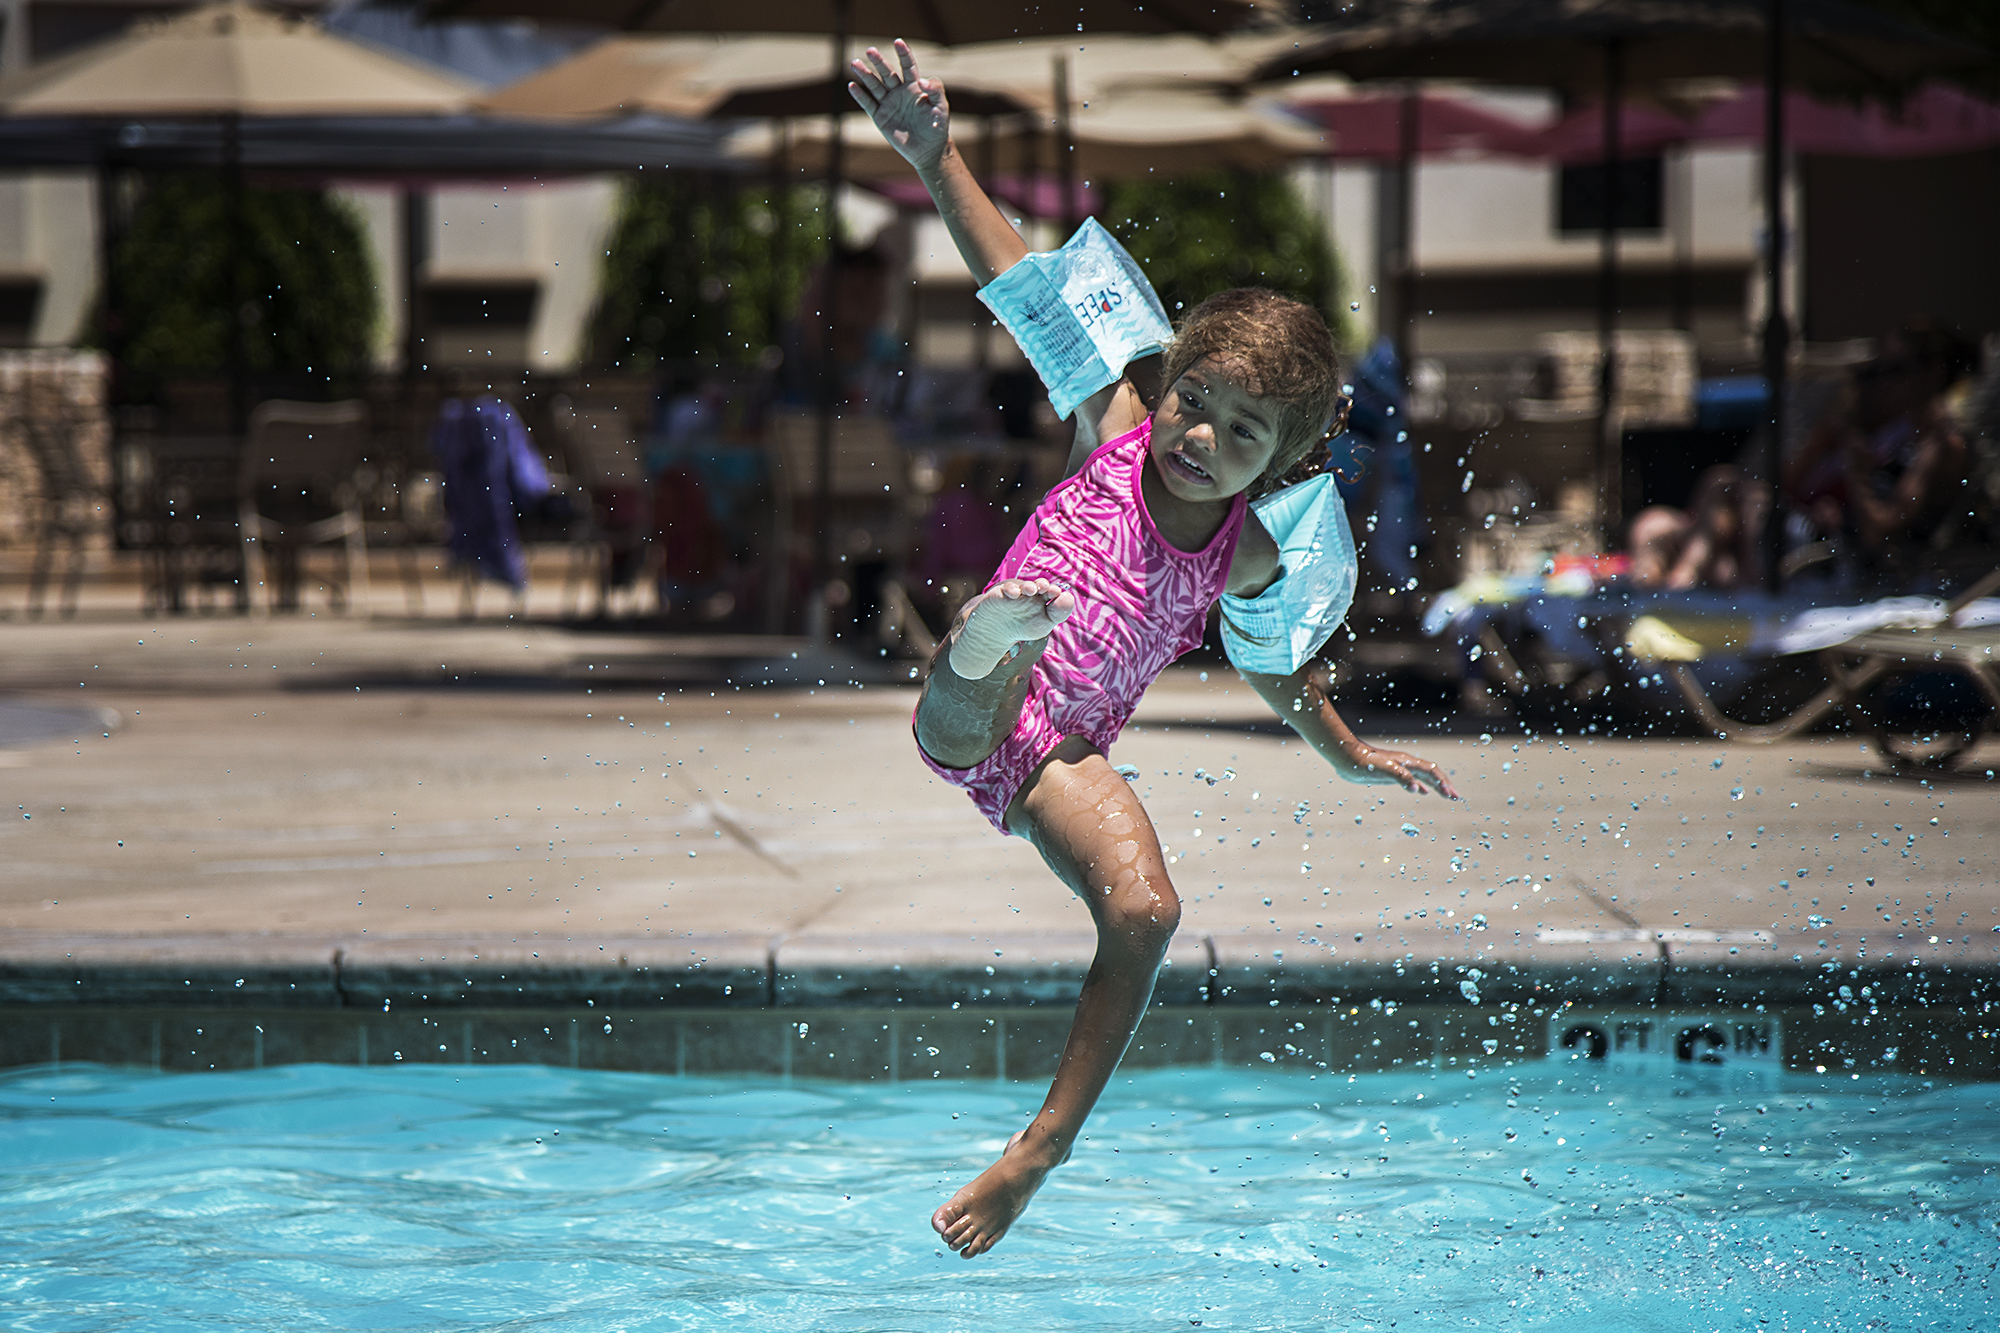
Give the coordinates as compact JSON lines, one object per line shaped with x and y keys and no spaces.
{"x":1145,"y":912}
{"x":953,"y":736}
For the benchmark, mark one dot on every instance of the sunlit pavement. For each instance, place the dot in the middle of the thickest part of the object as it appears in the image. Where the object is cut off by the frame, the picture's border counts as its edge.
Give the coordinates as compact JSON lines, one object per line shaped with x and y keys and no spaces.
{"x":297,"y":781}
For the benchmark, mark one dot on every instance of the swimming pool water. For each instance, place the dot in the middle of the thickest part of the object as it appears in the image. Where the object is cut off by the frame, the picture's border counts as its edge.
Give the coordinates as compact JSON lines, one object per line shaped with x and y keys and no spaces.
{"x":310,"y":1197}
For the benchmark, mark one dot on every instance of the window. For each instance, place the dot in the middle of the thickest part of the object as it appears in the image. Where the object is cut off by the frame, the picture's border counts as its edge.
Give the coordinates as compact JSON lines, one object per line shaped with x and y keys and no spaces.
{"x":1580,"y":195}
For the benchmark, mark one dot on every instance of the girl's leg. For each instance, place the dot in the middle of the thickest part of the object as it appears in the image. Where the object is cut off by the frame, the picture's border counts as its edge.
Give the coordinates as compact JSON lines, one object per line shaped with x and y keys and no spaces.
{"x":973,"y":696}
{"x":1091,"y":830}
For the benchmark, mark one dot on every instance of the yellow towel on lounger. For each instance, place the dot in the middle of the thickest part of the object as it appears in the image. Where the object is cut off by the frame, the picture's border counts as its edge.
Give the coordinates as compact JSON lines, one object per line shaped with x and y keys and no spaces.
{"x":1685,"y":638}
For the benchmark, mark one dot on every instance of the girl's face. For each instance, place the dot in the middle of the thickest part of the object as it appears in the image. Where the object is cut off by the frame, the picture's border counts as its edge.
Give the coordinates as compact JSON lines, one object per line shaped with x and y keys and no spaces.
{"x":1211,"y":436}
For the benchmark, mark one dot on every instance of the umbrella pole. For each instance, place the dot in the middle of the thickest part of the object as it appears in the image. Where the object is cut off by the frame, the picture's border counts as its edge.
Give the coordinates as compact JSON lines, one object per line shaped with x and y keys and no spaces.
{"x":778,"y":556}
{"x":1777,"y":333}
{"x":780,"y":206}
{"x":817,"y":611}
{"x":109,"y":229}
{"x":232,"y":187}
{"x":416,"y":244}
{"x":1065,"y":149}
{"x":982,"y":327}
{"x":1406,"y":230}
{"x":1610,"y":430}
{"x":1682,"y":160}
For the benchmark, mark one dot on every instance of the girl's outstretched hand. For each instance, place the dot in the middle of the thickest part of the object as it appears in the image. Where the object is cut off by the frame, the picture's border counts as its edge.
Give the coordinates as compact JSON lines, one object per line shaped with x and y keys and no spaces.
{"x":1405,"y":770}
{"x":910,"y":110}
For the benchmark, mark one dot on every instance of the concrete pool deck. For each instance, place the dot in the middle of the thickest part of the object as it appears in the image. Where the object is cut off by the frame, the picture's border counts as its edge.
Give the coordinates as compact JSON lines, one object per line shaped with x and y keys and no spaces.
{"x":312,"y":814}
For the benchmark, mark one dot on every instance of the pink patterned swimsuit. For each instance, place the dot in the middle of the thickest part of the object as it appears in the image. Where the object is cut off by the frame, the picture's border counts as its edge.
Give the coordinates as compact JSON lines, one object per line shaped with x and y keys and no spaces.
{"x":1140,"y":603}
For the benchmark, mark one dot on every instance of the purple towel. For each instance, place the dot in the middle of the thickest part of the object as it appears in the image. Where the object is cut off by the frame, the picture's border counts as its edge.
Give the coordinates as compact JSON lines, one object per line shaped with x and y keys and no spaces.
{"x":490,"y":472}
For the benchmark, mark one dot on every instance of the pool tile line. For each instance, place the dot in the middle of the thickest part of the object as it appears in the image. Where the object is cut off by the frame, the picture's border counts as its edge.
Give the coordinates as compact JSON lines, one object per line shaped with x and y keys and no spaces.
{"x":803,"y":971}
{"x":1023,"y":1044}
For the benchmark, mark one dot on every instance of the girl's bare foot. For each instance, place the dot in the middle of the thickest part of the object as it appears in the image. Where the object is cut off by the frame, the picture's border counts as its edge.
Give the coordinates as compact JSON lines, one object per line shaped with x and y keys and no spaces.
{"x":974,"y":1219}
{"x":1011,"y":612}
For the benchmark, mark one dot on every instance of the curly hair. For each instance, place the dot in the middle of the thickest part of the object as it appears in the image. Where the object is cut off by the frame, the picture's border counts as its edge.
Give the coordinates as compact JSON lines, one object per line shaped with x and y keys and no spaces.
{"x":1278,"y":349}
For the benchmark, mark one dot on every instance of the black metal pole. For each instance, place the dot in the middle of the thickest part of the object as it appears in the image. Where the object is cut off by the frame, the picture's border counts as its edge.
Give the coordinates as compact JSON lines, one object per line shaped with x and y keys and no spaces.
{"x":233,"y":222}
{"x":1410,"y":137}
{"x":1065,"y":149}
{"x":110,"y":230}
{"x":1777,"y":330}
{"x":781,"y":211}
{"x":416,"y":254}
{"x":1610,"y":430}
{"x":817,"y":611}
{"x":1682,"y":193}
{"x":982,"y":327}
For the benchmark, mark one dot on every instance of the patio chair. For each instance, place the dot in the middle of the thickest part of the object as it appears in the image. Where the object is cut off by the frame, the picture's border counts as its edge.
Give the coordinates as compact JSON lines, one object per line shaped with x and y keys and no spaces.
{"x":295,"y":490}
{"x":69,"y":501}
{"x":1906,"y":636}
{"x":177,"y":508}
{"x":611,"y":505}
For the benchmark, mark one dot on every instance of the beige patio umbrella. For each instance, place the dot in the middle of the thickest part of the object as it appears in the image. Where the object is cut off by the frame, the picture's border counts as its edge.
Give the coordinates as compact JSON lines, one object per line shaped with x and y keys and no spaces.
{"x":703,"y":77}
{"x":952,"y":22}
{"x":229,"y":59}
{"x":691,"y":76}
{"x":1155,"y":132}
{"x":1101,"y":65}
{"x":226,"y":61}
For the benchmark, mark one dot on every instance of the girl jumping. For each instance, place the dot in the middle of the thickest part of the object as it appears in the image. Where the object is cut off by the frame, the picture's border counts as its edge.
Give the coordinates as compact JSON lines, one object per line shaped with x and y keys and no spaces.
{"x":1110,"y":581}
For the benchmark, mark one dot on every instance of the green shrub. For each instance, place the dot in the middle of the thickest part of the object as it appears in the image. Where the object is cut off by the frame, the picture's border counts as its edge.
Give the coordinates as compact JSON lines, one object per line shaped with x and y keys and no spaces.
{"x":306,"y":280}
{"x":1204,"y":234}
{"x":701,"y":271}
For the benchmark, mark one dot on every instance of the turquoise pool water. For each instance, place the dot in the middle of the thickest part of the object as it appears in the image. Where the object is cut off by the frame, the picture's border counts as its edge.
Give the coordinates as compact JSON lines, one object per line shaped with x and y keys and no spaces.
{"x":314,"y":1197}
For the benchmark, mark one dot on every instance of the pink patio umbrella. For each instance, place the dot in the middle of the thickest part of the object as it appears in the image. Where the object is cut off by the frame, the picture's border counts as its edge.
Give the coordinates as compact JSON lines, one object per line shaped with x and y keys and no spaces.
{"x":1400,"y":126}
{"x":1935,"y":121}
{"x":1034,"y":196}
{"x":1382,"y":127}
{"x":1608,"y":49}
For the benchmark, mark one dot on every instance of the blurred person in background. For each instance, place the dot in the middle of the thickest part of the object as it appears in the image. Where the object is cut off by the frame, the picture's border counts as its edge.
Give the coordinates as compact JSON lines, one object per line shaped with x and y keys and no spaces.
{"x":1888,"y":463}
{"x":1378,"y":480}
{"x":1711,"y":544}
{"x":864,"y":302}
{"x":966,"y":534}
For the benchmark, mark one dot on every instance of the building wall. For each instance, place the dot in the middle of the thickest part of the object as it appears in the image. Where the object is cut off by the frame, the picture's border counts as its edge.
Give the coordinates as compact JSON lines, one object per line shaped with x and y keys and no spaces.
{"x":48,"y":257}
{"x":1495,"y":270}
{"x":1889,"y":240}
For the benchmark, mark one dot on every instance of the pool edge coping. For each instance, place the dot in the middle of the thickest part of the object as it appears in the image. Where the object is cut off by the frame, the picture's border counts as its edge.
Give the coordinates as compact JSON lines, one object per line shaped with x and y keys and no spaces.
{"x":774,"y":970}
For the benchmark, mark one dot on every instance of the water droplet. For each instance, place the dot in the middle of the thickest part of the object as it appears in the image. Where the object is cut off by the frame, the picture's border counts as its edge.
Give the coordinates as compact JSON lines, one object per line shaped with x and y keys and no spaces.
{"x":1735,"y":793}
{"x":1410,"y":830}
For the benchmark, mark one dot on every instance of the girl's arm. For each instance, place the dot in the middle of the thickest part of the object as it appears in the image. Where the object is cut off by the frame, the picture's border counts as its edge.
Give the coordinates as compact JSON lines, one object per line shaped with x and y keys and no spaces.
{"x":915,"y":117}
{"x":1300,"y":701}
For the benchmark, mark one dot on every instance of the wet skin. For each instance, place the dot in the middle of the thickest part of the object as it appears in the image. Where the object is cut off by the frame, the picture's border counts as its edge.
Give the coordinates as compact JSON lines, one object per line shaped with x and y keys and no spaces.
{"x":1212,"y":437}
